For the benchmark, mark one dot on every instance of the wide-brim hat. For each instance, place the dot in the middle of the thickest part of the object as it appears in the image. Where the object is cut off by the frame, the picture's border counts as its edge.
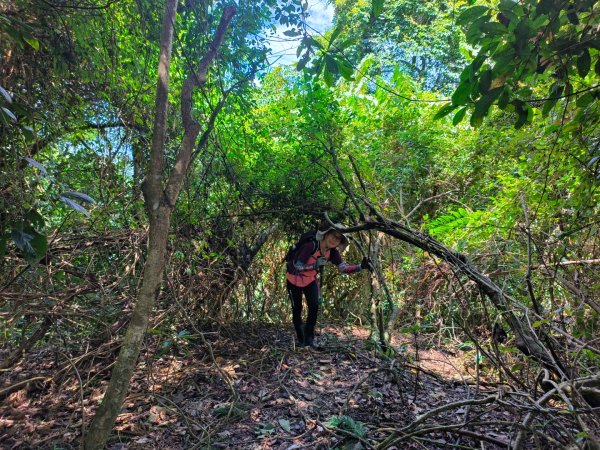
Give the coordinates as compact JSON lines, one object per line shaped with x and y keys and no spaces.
{"x":343,"y":244}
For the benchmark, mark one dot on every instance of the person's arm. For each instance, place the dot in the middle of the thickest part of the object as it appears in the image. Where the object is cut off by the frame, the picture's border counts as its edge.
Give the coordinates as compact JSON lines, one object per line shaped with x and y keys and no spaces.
{"x":306,"y":251}
{"x":343,"y":266}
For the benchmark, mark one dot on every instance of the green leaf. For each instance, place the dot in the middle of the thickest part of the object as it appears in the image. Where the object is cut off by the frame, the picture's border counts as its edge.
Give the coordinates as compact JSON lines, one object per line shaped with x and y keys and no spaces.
{"x":33,"y":42}
{"x":36,"y":220}
{"x":311,"y":41}
{"x":458,"y":117}
{"x":264,"y":430}
{"x":303,"y":61}
{"x":494,"y":29}
{"x":347,"y":423}
{"x":545,"y":7}
{"x":525,"y":92}
{"x":299,"y":49}
{"x":39,"y":243}
{"x":485,"y":81}
{"x":470,"y":14}
{"x":474,"y":32}
{"x":444,"y":111}
{"x":483,"y":105}
{"x":30,"y":135}
{"x":523,"y":113}
{"x":345,"y":44}
{"x":331,"y":64}
{"x":462,"y":93}
{"x":540,"y":21}
{"x":584,"y":62}
{"x":376,"y":7}
{"x":285,"y":425}
{"x":466,"y":346}
{"x":597,"y":67}
{"x":328,"y":77}
{"x":292,"y":33}
{"x":585,"y":100}
{"x":335,"y":34}
{"x":504,"y":99}
{"x":507,"y":5}
{"x":345,"y":70}
{"x":553,"y":96}
{"x":467,"y":72}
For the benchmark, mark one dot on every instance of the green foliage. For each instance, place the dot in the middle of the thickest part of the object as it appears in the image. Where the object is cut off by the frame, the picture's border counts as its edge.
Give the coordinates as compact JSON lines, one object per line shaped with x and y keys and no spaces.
{"x":347,"y":423}
{"x":371,"y":93}
{"x":265,"y":430}
{"x":414,"y":37}
{"x":234,"y":409}
{"x":530,"y":55}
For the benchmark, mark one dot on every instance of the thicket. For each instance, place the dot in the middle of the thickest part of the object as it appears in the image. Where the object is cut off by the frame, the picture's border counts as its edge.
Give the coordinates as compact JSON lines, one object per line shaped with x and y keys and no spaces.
{"x":485,"y":234}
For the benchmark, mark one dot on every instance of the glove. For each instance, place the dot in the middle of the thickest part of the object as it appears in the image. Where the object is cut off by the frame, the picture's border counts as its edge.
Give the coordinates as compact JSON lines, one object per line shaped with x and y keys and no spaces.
{"x":366,"y":264}
{"x":320,"y":262}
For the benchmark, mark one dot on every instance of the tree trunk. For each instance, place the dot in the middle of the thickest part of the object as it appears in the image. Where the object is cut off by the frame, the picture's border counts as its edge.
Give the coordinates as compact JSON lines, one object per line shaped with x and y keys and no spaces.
{"x":159,"y":216}
{"x":159,"y":205}
{"x":110,"y":407}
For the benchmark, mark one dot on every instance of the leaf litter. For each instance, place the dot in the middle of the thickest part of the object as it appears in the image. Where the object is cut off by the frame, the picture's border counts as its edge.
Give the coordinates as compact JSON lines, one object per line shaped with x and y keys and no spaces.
{"x":259,"y":392}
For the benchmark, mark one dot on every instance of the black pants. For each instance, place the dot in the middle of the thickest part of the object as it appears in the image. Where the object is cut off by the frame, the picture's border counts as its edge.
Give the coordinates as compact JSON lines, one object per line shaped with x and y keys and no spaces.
{"x":306,"y":333}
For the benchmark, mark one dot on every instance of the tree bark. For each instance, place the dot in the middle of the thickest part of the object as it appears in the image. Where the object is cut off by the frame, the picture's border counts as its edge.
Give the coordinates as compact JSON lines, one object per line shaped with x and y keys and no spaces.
{"x":159,"y":205}
{"x":527,"y":341}
{"x":109,"y":409}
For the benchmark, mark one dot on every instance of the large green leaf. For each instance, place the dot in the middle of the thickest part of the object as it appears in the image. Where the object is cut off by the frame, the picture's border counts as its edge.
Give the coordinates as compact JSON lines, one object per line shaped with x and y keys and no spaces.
{"x":485,"y":81}
{"x":553,"y":97}
{"x":458,"y":117}
{"x":376,"y":7}
{"x":584,"y":62}
{"x":493,"y":29}
{"x":462,"y":93}
{"x":331,"y":64}
{"x":483,"y":105}
{"x":475,"y":33}
{"x":345,"y":69}
{"x":470,"y":14}
{"x":444,"y":111}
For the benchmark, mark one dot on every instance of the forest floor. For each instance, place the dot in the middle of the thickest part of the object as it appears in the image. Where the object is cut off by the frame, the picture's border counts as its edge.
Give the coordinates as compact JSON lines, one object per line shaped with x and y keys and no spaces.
{"x":262,"y":393}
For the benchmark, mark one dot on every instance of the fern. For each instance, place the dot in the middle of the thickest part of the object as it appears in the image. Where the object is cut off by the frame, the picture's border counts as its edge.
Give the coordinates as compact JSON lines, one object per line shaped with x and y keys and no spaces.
{"x":458,"y":219}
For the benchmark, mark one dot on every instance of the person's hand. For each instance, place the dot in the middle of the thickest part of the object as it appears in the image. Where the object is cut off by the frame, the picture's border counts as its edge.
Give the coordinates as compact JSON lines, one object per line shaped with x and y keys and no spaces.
{"x":320,"y":262}
{"x":366,"y":264}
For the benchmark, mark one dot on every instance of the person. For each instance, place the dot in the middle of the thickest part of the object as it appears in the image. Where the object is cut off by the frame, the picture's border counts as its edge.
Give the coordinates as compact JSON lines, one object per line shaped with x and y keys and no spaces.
{"x":301,"y":277}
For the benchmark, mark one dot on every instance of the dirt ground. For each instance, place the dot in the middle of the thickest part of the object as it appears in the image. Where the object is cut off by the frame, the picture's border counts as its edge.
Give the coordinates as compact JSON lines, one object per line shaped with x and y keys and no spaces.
{"x":262,"y":393}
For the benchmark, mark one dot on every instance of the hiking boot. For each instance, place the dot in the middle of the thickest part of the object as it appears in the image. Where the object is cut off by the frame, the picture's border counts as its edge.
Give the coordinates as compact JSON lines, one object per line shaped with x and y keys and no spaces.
{"x":310,"y":342}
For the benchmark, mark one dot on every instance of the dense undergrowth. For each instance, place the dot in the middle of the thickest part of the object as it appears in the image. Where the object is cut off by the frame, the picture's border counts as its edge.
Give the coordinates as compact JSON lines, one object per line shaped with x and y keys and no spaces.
{"x":484,"y":236}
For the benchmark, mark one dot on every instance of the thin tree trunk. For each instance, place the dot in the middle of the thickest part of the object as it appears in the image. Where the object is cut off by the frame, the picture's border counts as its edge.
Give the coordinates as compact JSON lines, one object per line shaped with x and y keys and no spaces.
{"x":159,"y":206}
{"x":159,"y":216}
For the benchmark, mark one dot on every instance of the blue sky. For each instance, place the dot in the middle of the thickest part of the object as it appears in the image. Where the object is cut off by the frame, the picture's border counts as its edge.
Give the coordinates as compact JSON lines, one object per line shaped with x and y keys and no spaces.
{"x":320,"y":16}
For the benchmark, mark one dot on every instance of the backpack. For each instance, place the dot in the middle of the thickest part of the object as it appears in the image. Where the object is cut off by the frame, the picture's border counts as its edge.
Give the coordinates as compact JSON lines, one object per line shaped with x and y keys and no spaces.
{"x":292,"y":253}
